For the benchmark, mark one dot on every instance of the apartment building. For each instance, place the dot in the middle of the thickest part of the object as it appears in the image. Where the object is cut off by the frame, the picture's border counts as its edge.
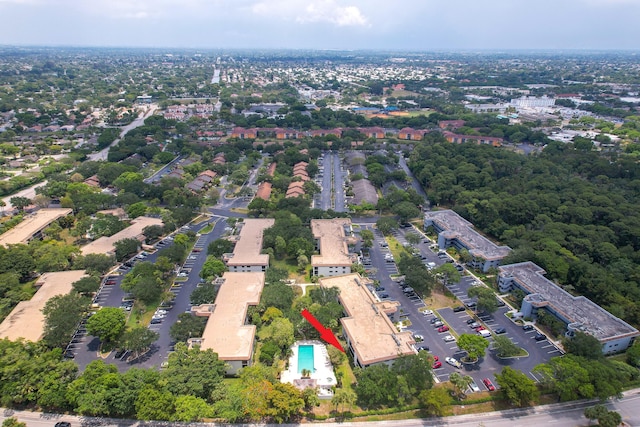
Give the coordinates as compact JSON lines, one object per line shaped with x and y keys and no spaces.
{"x":228,"y":332}
{"x":453,"y":230}
{"x":331,"y":238}
{"x":578,"y":313}
{"x":368,"y":324}
{"x":246,"y":256}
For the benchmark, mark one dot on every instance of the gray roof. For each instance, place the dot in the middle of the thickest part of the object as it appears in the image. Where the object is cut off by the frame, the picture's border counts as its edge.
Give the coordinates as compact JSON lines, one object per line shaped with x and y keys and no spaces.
{"x":456,"y":227}
{"x":580,"y":312}
{"x":364,"y":190}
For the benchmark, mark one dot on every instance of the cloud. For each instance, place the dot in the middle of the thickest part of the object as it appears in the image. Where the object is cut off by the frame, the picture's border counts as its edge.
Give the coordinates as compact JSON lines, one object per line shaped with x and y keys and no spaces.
{"x":311,"y":12}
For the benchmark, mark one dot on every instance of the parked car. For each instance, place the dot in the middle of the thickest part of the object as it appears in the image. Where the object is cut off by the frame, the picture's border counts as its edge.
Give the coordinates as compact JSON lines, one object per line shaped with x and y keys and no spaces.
{"x":453,"y":362}
{"x":438,"y":324}
{"x":474,"y":325}
{"x":110,"y":282}
{"x":443,"y":328}
{"x":470,"y":321}
{"x":527,"y":327}
{"x":436,"y":365}
{"x":427,"y":312}
{"x":540,"y":337}
{"x":418,"y":337}
{"x":474,"y":387}
{"x":434,"y":320}
{"x":383,"y":295}
{"x":449,"y":338}
{"x":458,"y":309}
{"x":500,"y":331}
{"x":63,"y":424}
{"x":480,"y":328}
{"x":155,"y":321}
{"x":487,"y":382}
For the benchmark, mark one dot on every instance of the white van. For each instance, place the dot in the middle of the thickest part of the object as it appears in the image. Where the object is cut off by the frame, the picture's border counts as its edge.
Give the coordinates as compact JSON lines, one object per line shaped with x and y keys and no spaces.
{"x":484,"y":333}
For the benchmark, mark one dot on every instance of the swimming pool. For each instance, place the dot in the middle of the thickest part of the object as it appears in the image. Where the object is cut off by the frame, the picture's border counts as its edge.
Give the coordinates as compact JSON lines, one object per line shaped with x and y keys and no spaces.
{"x":305,"y":358}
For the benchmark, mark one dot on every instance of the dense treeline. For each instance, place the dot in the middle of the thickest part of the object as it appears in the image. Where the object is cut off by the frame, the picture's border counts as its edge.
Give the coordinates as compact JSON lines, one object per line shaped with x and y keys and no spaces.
{"x":573,"y":212}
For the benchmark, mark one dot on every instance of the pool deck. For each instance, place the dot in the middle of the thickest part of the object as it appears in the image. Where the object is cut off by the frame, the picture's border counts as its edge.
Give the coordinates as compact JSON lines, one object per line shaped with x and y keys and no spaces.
{"x":322,"y":376}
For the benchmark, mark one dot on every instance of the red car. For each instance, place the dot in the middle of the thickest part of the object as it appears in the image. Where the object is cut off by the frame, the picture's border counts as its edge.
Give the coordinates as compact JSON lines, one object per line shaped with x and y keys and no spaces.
{"x":110,"y":282}
{"x":436,"y":358}
{"x":443,"y":328}
{"x":480,"y":328}
{"x":436,"y":365}
{"x":487,"y":382}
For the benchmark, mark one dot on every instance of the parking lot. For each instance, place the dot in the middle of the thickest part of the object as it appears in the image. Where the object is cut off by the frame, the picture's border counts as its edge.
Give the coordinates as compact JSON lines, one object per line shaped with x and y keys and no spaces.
{"x":84,"y":349}
{"x":436,"y":329}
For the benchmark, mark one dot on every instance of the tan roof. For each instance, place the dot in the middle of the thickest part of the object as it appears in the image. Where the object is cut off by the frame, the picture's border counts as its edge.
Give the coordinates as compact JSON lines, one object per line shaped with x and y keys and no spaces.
{"x":333,"y":242}
{"x":104,"y":245}
{"x":226,"y":332}
{"x":247,"y":250}
{"x":32,"y":224}
{"x":26,"y":319}
{"x":371,"y":333}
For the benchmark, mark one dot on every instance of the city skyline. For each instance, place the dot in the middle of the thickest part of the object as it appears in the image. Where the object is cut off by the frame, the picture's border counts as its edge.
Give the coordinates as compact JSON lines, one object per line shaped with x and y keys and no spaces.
{"x":323,"y":24}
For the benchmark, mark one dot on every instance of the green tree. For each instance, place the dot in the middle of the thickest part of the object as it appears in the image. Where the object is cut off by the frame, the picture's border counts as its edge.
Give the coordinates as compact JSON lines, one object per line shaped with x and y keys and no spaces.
{"x":474,"y":345}
{"x":277,"y":295}
{"x":13,"y":422}
{"x":86,"y":285}
{"x":343,"y":399}
{"x":504,"y":347}
{"x":486,"y":298}
{"x":448,"y":273}
{"x":212,"y":267}
{"x":152,"y":232}
{"x":153,"y":404}
{"x":62,"y":313}
{"x":94,"y":263}
{"x":413,"y":238}
{"x":516,"y":387}
{"x":107,"y":324}
{"x":460,"y":383}
{"x":605,"y":417}
{"x":386,"y":225}
{"x":205,"y":293}
{"x":284,"y":401}
{"x":280,"y":331}
{"x":405,"y":211}
{"x":376,"y":386}
{"x":191,"y":409}
{"x":584,"y":345}
{"x":138,"y":340}
{"x":367,"y":238}
{"x":633,"y":355}
{"x":20,"y":202}
{"x":187,"y":326}
{"x":435,"y":401}
{"x":126,"y":247}
{"x":416,"y":370}
{"x":194,"y":372}
{"x":219,"y":247}
{"x":137,"y":209}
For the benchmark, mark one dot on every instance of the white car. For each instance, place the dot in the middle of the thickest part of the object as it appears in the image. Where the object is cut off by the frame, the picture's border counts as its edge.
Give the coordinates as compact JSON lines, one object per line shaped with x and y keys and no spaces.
{"x":193,"y":257}
{"x":182,"y":274}
{"x":474,"y":387}
{"x":427,"y":312}
{"x":453,"y":362}
{"x":449,"y":338}
{"x":161,"y":311}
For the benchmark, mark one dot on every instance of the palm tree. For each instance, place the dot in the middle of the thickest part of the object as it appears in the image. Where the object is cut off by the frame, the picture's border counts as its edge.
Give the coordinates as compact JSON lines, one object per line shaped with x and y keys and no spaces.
{"x":343,"y":397}
{"x":460,"y":383}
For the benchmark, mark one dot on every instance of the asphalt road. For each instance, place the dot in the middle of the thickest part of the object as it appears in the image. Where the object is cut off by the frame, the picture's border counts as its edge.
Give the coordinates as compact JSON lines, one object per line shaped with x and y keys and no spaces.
{"x":569,"y":414}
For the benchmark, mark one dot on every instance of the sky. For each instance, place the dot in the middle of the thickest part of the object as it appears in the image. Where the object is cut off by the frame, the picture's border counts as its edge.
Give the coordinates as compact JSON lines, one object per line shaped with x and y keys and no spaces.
{"x":416,"y":25}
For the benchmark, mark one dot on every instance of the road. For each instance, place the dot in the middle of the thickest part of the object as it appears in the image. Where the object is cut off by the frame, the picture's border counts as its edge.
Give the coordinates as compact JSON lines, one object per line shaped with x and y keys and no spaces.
{"x":568,"y":414}
{"x":332,"y":183}
{"x":102,"y":155}
{"x":28,"y":192}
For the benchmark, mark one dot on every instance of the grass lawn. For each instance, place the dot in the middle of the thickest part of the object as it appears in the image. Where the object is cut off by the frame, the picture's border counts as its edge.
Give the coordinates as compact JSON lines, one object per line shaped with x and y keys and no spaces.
{"x":138,"y":318}
{"x":207,"y":229}
{"x":291,"y":266}
{"x":396,"y":248}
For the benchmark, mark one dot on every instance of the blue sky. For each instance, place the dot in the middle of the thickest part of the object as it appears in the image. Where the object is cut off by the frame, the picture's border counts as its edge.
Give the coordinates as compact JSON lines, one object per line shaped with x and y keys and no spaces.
{"x":324,"y":24}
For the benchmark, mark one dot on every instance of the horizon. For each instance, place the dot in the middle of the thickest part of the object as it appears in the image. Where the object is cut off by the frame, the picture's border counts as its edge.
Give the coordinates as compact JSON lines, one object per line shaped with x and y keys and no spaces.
{"x":342,"y":25}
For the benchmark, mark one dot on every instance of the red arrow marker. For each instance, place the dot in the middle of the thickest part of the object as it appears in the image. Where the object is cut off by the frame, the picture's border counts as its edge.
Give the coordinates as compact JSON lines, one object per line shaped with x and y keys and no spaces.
{"x":325,"y":333}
